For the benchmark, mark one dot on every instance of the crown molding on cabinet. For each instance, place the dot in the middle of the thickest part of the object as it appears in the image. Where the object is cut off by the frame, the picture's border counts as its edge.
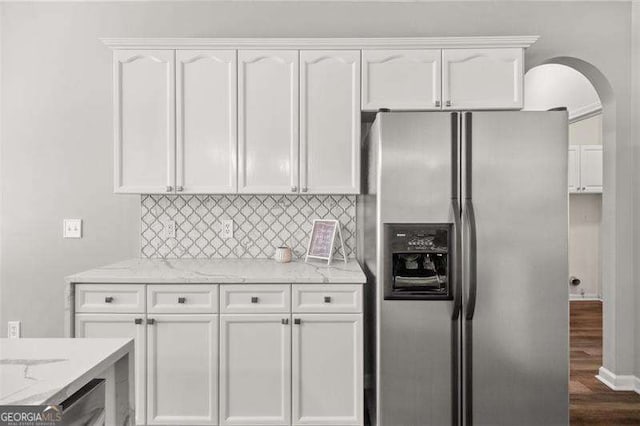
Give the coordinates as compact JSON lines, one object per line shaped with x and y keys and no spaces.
{"x":321,"y":43}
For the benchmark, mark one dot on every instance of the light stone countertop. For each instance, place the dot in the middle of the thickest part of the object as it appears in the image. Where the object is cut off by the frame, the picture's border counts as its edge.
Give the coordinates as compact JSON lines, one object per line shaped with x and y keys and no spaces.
{"x":48,"y":371}
{"x":221,"y":271}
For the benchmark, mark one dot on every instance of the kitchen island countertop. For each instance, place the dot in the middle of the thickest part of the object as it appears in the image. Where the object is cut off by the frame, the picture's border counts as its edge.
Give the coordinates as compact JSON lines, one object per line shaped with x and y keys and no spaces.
{"x":48,"y":371}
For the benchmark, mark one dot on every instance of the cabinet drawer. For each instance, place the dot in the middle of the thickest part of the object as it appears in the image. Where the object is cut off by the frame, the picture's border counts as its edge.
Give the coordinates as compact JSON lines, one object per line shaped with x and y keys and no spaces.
{"x":182,"y":299}
{"x":128,"y":298}
{"x":327,"y":298}
{"x":255,"y":298}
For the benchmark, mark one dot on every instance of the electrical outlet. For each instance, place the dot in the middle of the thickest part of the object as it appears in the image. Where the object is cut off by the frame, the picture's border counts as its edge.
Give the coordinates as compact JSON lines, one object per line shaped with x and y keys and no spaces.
{"x":13,"y":330}
{"x":72,"y":228}
{"x":227,"y":229}
{"x":170,"y":229}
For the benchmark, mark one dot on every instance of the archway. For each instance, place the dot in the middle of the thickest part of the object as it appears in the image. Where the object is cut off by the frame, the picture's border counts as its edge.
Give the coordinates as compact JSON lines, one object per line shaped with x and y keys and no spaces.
{"x":609,"y":235}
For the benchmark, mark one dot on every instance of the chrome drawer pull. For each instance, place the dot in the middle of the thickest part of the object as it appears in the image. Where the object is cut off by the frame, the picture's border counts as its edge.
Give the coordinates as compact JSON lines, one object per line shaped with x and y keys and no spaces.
{"x":138,"y":320}
{"x":151,"y":321}
{"x":327,"y":299}
{"x":254,"y":299}
{"x":108,"y":299}
{"x":182,"y":300}
{"x":285,"y":321}
{"x":296,"y":321}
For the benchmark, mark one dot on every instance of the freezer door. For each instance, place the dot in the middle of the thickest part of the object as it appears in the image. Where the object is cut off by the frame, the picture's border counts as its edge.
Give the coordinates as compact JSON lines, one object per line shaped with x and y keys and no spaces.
{"x":515,"y":332}
{"x":417,"y":376}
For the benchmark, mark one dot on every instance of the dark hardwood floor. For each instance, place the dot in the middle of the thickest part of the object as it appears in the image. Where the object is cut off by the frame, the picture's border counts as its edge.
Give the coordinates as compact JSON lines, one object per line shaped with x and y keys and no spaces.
{"x":593,"y":403}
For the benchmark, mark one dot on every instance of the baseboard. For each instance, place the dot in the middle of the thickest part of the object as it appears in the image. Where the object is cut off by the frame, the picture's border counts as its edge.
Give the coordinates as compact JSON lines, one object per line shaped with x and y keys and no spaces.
{"x":586,"y":297}
{"x":627,"y":382}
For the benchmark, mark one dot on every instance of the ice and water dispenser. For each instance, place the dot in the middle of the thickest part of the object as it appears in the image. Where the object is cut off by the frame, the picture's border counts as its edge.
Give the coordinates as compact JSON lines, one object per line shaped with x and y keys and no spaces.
{"x":417,"y":261}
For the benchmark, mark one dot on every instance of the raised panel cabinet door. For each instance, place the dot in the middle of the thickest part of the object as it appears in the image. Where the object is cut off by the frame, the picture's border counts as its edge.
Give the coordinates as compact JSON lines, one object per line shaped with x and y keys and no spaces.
{"x":482,"y":78}
{"x":206,"y":137}
{"x":255,"y":369}
{"x":121,"y":325}
{"x":182,"y":369}
{"x":268,"y":121}
{"x":574,"y":168}
{"x":330,"y":121}
{"x":144,"y":103}
{"x":327,"y":369}
{"x":401,"y":79}
{"x":591,"y":168}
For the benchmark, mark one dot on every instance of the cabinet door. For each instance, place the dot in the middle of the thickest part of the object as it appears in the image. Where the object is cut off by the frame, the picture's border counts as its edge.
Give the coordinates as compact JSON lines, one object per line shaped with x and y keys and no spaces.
{"x":327,"y":369}
{"x":482,"y":78}
{"x":255,"y":369}
{"x":401,"y":79}
{"x":206,"y":119}
{"x":144,"y":121}
{"x":574,"y":168}
{"x":591,"y":168}
{"x":268,"y":121}
{"x":120,"y":325}
{"x":330,"y":121}
{"x":182,"y":370}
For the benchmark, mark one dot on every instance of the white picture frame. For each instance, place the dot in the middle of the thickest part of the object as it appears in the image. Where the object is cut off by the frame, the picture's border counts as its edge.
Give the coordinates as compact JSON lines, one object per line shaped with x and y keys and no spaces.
{"x":322,"y":240}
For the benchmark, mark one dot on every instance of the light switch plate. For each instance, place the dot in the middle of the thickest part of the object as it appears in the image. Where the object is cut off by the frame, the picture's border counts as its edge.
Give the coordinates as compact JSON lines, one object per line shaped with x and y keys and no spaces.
{"x":72,"y":228}
{"x":13,"y":330}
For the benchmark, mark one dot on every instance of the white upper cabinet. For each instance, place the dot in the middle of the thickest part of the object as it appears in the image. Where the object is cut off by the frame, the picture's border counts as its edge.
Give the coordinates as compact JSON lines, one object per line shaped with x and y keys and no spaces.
{"x":585,"y":169}
{"x":327,"y":369}
{"x":401,"y":79}
{"x":182,"y":370}
{"x":330,"y":121}
{"x":482,"y":78}
{"x":206,"y":142}
{"x":268,"y":121}
{"x":591,"y":168}
{"x":144,"y":121}
{"x":255,"y":369}
{"x":574,"y":168}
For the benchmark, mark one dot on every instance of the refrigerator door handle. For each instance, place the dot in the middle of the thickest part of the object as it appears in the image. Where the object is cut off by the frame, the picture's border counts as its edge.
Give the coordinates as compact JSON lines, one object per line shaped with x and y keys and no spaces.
{"x":457,"y":260}
{"x":472,"y":263}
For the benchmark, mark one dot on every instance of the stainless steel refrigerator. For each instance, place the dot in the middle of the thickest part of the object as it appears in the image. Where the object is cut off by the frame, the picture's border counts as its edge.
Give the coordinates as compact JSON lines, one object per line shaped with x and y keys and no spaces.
{"x":463,"y":225}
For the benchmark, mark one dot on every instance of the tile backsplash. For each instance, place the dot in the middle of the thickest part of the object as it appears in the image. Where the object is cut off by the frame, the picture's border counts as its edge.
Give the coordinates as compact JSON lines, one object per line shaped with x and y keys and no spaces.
{"x":261,"y":223}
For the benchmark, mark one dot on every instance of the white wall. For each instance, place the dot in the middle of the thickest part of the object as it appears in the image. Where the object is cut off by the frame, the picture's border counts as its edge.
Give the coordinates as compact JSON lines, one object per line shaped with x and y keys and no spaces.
{"x":553,"y":85}
{"x":56,"y":135}
{"x":585,"y":218}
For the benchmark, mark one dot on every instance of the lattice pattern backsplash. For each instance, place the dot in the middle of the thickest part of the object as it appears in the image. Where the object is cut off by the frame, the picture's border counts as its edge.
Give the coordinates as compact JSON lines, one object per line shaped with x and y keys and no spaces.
{"x":261,"y":223}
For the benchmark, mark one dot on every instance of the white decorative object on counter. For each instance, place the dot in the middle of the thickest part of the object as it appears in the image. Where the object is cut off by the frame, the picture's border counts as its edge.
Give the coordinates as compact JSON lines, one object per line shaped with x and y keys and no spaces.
{"x":283,"y":254}
{"x":322,"y":240}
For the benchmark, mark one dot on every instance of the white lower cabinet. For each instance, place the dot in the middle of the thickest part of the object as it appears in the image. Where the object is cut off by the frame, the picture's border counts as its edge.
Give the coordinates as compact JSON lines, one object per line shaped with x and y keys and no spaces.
{"x":327,"y":369}
{"x":120,"y":325}
{"x":267,"y":359}
{"x":255,"y":369}
{"x":182,"y":369}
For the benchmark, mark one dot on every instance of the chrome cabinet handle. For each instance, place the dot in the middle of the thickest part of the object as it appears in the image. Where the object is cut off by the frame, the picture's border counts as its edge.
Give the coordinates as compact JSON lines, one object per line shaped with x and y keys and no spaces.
{"x":296,"y":321}
{"x":108,"y":299}
{"x":179,"y":188}
{"x":294,"y":189}
{"x":327,"y":299}
{"x":182,"y":300}
{"x":285,"y":321}
{"x":254,"y":299}
{"x":138,"y":320}
{"x":304,"y":189}
{"x":437,"y":104}
{"x":448,"y":103}
{"x":169,"y":188}
{"x":151,"y":321}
